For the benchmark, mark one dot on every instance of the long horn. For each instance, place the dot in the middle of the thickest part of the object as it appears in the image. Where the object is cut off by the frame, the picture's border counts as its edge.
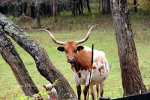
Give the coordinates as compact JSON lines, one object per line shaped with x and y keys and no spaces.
{"x":53,"y":38}
{"x":87,"y":35}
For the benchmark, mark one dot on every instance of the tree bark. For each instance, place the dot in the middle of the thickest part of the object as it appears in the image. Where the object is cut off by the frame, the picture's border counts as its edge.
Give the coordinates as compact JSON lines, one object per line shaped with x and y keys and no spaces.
{"x":43,"y":63}
{"x":11,"y":56}
{"x":131,"y":77}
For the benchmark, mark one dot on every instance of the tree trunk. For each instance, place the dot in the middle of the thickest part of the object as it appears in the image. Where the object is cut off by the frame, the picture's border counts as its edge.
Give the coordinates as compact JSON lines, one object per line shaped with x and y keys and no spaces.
{"x":88,"y":6}
{"x":54,"y":11}
{"x":32,"y":8}
{"x":81,"y":5}
{"x":38,"y":18}
{"x":38,"y":13}
{"x":24,"y":7}
{"x":131,"y":77}
{"x":78,"y":7}
{"x":99,"y":5}
{"x":73,"y":8}
{"x":43,"y":63}
{"x":11,"y":56}
{"x":135,"y":8}
{"x":106,"y":7}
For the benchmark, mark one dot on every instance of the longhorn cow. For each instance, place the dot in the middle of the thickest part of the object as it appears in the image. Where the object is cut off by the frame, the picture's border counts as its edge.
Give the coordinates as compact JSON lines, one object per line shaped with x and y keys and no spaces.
{"x":80,"y":59}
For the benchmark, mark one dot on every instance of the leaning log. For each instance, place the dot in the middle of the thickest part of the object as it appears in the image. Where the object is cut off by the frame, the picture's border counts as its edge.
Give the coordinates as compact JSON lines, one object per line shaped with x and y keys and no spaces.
{"x":10,"y":55}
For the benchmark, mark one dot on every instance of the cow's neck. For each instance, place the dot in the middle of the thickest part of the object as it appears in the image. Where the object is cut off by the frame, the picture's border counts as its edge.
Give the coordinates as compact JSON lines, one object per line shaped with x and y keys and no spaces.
{"x":83,"y":60}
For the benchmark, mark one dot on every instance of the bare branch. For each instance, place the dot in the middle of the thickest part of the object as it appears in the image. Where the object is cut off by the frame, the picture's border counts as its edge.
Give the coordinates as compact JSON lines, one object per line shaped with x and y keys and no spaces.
{"x":133,"y":7}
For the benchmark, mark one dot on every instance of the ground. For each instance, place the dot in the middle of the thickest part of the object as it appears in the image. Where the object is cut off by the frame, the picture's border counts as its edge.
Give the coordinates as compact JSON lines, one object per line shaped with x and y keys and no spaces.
{"x":75,"y":28}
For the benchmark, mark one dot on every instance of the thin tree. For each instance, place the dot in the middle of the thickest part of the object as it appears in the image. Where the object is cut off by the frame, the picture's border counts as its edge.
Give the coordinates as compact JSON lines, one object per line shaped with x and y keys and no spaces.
{"x":37,"y":4}
{"x":135,"y":8}
{"x":81,"y":6}
{"x":54,"y":11}
{"x":88,"y":6}
{"x":106,"y":7}
{"x":131,"y":77}
{"x":23,"y":7}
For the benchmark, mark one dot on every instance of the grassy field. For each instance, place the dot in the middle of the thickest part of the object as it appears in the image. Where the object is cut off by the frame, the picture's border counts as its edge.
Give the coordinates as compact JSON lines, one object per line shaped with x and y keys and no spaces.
{"x":69,"y":28}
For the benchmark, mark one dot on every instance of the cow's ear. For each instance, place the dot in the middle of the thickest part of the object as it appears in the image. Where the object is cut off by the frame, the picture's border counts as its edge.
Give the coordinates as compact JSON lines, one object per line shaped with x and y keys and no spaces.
{"x":62,"y":49}
{"x":80,"y":48}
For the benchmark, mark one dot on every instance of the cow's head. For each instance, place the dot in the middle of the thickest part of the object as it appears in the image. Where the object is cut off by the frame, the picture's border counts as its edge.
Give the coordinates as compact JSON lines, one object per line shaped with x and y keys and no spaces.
{"x":70,"y":47}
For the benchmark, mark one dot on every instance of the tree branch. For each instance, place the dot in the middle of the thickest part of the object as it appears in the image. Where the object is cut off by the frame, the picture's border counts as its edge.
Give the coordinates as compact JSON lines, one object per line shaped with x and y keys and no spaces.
{"x":133,"y":7}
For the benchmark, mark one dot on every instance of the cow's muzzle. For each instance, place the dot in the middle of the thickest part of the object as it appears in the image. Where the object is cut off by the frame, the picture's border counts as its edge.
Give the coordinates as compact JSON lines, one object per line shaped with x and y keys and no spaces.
{"x":71,"y":60}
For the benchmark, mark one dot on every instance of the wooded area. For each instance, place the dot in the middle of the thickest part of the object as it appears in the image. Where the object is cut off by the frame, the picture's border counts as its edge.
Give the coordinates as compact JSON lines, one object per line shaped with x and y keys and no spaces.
{"x":39,"y":10}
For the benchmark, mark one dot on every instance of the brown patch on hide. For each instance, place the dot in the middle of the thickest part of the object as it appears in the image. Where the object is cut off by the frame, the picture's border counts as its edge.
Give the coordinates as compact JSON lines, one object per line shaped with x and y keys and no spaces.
{"x":100,"y":59}
{"x":101,"y":68}
{"x":94,"y":67}
{"x":83,"y":58}
{"x":107,"y":70}
{"x":97,"y":59}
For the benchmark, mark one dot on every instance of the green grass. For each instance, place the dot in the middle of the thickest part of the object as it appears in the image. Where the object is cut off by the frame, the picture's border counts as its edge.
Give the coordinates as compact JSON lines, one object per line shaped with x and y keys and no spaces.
{"x":68,"y":28}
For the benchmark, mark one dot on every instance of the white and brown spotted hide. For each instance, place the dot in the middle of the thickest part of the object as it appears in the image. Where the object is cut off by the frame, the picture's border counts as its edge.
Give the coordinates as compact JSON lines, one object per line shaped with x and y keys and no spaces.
{"x":81,"y":70}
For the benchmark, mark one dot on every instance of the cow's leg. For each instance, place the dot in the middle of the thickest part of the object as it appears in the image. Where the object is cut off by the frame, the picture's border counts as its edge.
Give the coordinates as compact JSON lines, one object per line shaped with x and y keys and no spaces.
{"x":85,"y":91}
{"x":92,"y":92}
{"x":97,"y":89}
{"x":77,"y":84}
{"x":86,"y":88}
{"x":79,"y":92}
{"x":101,"y":89}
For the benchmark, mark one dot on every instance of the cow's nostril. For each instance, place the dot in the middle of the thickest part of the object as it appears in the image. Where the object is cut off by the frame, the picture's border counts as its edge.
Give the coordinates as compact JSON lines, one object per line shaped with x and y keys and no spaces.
{"x":69,"y":60}
{"x":73,"y":59}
